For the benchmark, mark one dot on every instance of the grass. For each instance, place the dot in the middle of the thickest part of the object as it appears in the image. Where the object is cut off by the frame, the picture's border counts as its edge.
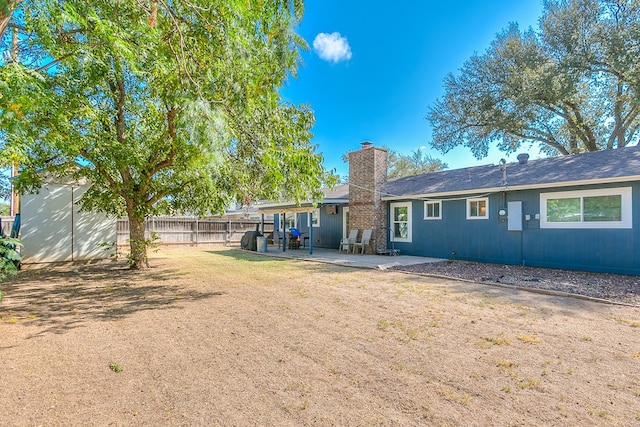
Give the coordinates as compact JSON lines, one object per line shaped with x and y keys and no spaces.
{"x":530,"y":383}
{"x":623,"y":320}
{"x":116,"y":367}
{"x":356,"y":346}
{"x":601,"y":413}
{"x":487,"y":342}
{"x":529,"y":338}
{"x":383,"y":324}
{"x":507,"y":366}
{"x":454,"y":395}
{"x":407,"y":334}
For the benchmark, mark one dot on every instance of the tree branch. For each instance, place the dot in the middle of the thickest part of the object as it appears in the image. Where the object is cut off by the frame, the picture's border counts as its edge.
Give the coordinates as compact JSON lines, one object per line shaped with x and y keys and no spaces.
{"x":551,"y":142}
{"x":11,"y":6}
{"x":103,"y":173}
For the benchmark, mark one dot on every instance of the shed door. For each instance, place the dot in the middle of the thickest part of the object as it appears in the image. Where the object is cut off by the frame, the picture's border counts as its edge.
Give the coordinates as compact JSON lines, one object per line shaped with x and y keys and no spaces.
{"x":47,"y":223}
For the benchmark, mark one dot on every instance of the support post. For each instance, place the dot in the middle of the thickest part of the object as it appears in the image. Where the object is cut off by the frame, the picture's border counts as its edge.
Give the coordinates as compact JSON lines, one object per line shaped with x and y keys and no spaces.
{"x":310,"y":232}
{"x":284,"y":232}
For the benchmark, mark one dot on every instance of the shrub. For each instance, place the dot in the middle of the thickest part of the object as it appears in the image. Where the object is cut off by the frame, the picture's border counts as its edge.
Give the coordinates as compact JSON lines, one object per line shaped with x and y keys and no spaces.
{"x":9,"y":256}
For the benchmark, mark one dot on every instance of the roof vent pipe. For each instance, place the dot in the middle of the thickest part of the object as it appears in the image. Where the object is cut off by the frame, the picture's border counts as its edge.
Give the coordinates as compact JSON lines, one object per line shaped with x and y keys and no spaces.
{"x":523,"y":158}
{"x":503,"y":168}
{"x":366,"y":144}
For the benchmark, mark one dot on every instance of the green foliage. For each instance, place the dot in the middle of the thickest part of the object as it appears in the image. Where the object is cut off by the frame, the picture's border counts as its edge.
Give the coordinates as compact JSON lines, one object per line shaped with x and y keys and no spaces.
{"x":116,"y":367}
{"x":165,"y":110}
{"x":573,"y":85}
{"x":9,"y":256}
{"x":416,"y":163}
{"x":5,"y":191}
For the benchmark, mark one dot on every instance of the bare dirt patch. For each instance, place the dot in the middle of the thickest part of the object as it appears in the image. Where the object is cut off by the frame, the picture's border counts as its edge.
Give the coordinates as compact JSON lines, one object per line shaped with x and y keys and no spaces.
{"x":223,"y":337}
{"x":617,"y":288}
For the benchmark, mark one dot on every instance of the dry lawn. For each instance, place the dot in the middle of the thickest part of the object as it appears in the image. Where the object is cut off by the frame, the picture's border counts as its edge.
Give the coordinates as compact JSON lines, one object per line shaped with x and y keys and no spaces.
{"x":225,"y":338}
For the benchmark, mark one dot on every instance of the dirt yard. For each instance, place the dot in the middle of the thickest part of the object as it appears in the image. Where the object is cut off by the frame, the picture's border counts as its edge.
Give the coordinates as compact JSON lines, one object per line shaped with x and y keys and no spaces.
{"x":219,"y":337}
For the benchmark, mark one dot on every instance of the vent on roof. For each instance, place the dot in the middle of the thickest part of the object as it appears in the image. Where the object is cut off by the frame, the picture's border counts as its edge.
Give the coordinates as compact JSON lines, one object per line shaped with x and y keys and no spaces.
{"x":523,"y":158}
{"x":366,"y":144}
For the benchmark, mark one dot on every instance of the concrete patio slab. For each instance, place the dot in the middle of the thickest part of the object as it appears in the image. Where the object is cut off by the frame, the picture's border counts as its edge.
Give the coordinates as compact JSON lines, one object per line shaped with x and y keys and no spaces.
{"x":334,"y":256}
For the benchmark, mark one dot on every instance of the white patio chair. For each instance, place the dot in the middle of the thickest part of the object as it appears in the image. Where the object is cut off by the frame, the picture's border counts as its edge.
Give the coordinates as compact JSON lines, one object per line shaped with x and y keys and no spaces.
{"x":347,"y":243}
{"x":364,"y":242}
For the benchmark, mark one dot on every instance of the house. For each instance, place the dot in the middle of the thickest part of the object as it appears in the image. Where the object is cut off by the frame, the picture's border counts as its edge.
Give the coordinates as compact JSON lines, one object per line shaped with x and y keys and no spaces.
{"x":324,"y":223}
{"x":349,"y":206}
{"x":578,"y":212}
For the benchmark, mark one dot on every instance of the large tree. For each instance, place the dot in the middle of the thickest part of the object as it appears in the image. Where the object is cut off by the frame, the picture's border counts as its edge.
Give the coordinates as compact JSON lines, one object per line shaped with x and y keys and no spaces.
{"x":570,"y":86}
{"x":400,"y":165}
{"x":163,"y":106}
{"x":416,"y":163}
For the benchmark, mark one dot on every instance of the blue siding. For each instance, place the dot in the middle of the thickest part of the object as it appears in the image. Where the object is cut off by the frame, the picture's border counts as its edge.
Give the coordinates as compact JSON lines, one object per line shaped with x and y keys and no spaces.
{"x":488,"y":240}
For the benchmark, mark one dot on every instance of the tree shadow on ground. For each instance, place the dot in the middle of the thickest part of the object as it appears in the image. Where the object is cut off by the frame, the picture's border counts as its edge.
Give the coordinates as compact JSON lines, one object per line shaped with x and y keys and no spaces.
{"x":301,"y":262}
{"x":245,"y":255}
{"x":61,"y":297}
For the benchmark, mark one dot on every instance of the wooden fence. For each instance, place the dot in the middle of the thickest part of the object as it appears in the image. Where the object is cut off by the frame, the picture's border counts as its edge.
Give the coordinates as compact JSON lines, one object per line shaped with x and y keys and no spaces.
{"x":194,"y":231}
{"x":183,"y":230}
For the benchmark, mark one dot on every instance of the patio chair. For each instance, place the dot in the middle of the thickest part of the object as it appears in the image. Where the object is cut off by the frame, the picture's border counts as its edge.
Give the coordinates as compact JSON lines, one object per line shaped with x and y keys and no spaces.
{"x":347,"y":243}
{"x":277,"y":236}
{"x":364,"y":242}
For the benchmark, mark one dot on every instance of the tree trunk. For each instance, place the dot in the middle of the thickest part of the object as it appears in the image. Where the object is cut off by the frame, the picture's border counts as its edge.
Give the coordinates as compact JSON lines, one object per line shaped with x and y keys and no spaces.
{"x":4,"y":22}
{"x":138,"y":244}
{"x":6,"y":11}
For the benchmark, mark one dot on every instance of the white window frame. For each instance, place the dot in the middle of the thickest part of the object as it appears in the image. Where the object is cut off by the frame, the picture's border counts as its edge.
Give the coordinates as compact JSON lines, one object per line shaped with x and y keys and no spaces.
{"x":478,"y":199}
{"x":626,"y":219}
{"x":316,"y":218}
{"x":392,"y":207}
{"x":433,"y":202}
{"x":288,"y":214}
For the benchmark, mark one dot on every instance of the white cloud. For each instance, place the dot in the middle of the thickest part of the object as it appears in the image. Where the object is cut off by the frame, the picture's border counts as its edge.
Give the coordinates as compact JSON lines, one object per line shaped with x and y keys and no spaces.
{"x":332,"y":47}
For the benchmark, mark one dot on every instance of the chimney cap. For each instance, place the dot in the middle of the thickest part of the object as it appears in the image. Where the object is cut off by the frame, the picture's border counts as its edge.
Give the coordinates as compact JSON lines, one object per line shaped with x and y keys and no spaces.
{"x":523,"y":158}
{"x":366,"y":144}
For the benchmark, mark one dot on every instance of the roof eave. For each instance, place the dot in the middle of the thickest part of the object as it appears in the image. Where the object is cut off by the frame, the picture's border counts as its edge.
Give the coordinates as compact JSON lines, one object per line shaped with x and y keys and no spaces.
{"x":291,"y":207}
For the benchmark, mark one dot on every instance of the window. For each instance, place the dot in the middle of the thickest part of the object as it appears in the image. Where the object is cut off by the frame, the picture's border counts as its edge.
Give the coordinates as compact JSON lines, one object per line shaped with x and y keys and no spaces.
{"x":432,"y":210}
{"x":291,"y":220}
{"x":316,"y":218}
{"x":401,"y":222}
{"x":602,"y":208}
{"x":478,"y":208}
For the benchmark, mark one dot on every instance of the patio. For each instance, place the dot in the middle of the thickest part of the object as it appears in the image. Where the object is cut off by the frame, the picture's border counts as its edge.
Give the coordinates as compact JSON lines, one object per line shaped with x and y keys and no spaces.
{"x":334,"y":256}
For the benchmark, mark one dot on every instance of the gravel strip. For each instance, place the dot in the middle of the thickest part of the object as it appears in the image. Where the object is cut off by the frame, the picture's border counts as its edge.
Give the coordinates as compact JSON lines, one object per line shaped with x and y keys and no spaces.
{"x":615,"y":288}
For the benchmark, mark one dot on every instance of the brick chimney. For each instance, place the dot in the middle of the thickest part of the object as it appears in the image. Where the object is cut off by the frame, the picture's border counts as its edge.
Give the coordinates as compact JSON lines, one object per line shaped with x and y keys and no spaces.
{"x":367,"y":182}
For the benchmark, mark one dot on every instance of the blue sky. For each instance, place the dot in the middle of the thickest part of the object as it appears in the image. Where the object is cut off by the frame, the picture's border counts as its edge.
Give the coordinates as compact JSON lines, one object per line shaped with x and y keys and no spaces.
{"x":377,"y":66}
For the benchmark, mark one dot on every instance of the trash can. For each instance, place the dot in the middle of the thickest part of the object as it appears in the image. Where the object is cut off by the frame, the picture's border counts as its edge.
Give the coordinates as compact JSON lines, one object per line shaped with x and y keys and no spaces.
{"x":261,"y":243}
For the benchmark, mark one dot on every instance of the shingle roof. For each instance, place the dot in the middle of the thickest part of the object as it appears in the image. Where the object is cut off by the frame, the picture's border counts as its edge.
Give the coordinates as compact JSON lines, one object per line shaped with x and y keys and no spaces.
{"x":600,"y":166}
{"x":338,"y":192}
